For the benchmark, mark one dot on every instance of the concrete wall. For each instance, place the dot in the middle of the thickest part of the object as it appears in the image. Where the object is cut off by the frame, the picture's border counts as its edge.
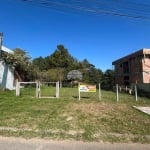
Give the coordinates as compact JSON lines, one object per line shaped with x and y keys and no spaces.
{"x":6,"y":77}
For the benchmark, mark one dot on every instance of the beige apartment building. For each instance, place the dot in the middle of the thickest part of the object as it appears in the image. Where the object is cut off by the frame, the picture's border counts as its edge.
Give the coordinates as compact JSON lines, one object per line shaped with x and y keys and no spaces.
{"x":133,"y":68}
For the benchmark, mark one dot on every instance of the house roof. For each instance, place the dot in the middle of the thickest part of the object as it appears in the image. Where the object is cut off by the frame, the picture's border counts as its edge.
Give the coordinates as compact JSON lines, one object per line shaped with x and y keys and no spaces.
{"x":143,"y":51}
{"x":5,"y":49}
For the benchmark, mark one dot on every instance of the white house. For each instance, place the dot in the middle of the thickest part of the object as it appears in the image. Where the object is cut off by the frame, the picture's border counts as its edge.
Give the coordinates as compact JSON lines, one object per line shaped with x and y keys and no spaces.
{"x":6,"y":73}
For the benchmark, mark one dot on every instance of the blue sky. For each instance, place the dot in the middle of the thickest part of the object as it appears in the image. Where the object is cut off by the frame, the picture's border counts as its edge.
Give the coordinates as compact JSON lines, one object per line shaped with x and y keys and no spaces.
{"x":99,"y":38}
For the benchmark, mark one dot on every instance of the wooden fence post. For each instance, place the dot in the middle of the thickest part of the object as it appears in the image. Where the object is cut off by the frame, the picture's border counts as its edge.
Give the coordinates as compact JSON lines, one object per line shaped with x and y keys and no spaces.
{"x":57,"y":89}
{"x":17,"y":88}
{"x":117,"y":95}
{"x":100,"y":95}
{"x":136,"y":92}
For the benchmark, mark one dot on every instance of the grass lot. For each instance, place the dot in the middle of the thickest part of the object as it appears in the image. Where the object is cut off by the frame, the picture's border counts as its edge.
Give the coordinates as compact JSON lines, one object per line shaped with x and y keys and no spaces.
{"x":68,"y":118}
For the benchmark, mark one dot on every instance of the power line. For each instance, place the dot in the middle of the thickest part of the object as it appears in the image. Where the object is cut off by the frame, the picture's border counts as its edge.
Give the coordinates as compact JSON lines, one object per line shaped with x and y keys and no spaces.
{"x":111,"y":7}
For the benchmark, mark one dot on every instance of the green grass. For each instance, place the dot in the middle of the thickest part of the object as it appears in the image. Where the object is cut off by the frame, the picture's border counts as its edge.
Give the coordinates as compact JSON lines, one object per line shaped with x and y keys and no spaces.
{"x":89,"y":119}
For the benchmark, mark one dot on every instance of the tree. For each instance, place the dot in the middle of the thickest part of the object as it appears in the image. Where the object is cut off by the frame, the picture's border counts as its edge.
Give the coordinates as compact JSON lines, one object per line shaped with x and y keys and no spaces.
{"x":108,"y":80}
{"x":20,"y":62}
{"x":92,"y":75}
{"x":41,"y":63}
{"x":58,"y":64}
{"x":60,"y":58}
{"x":56,"y":74}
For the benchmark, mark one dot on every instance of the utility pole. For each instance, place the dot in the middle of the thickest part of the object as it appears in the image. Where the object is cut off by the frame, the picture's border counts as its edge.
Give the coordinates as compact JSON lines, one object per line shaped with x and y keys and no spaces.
{"x":1,"y":41}
{"x":1,"y":37}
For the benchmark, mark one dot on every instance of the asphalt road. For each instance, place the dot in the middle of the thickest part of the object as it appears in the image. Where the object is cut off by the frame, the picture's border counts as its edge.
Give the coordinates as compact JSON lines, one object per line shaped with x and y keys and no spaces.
{"x":39,"y":144}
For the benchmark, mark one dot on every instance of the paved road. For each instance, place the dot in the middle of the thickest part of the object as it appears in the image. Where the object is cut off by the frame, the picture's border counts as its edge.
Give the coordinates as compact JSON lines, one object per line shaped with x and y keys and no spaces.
{"x":38,"y":144}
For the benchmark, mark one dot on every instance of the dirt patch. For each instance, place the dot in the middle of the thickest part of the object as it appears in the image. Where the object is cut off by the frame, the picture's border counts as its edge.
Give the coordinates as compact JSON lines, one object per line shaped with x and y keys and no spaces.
{"x":97,"y":109}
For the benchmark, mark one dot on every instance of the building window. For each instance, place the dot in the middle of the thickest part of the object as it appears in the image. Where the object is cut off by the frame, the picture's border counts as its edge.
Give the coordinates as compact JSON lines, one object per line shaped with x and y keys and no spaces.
{"x":126,"y":67}
{"x":126,"y":81}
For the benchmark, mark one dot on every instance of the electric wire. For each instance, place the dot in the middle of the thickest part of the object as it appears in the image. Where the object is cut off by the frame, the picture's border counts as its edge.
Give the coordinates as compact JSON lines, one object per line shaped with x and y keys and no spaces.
{"x":122,"y":8}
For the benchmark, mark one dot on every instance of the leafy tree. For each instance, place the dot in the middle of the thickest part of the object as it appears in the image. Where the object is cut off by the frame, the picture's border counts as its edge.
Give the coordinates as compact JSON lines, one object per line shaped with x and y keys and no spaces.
{"x":56,"y":74}
{"x":108,"y":80}
{"x":56,"y":67}
{"x":92,"y":75}
{"x":19,"y":60}
{"x":41,"y":63}
{"x":86,"y":65}
{"x":60,"y":58}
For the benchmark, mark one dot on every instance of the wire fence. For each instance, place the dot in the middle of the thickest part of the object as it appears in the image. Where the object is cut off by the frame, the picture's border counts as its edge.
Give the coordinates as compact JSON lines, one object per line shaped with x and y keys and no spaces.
{"x":71,"y":92}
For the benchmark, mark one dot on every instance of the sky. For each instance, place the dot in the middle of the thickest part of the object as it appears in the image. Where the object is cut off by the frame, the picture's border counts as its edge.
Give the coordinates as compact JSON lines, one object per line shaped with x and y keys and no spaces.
{"x":99,"y":38}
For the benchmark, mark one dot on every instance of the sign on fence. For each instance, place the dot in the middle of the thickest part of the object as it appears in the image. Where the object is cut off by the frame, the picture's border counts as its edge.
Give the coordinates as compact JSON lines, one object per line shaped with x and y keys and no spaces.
{"x":87,"y":88}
